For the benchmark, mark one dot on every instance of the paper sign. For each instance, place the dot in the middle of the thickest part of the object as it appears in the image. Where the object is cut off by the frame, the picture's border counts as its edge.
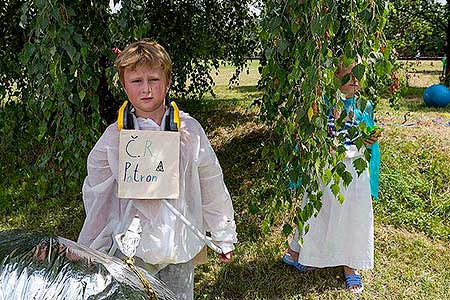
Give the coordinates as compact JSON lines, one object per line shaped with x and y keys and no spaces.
{"x":149,"y":164}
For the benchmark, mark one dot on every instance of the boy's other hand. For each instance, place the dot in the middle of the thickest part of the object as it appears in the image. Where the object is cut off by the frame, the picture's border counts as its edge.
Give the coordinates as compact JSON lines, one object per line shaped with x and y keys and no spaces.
{"x":374,"y":135}
{"x":225,"y":257}
{"x":371,"y":140}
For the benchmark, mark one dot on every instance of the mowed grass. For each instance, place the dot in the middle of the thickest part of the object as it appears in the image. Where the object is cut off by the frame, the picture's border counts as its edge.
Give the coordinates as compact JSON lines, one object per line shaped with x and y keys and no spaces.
{"x":412,"y":229}
{"x":415,"y":174}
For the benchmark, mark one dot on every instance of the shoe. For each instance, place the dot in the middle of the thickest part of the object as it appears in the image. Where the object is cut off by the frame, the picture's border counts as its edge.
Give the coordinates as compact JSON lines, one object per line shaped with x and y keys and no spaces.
{"x":287,"y":259}
{"x":353,"y":280}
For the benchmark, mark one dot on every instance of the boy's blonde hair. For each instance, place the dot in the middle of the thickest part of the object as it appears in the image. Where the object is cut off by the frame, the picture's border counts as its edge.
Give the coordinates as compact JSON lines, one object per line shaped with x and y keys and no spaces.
{"x":143,"y":53}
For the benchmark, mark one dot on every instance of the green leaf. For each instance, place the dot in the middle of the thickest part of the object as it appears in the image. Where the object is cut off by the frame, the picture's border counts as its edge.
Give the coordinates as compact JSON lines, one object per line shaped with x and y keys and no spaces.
{"x":317,"y":27}
{"x":335,"y":189}
{"x":310,"y":113}
{"x":275,"y":24}
{"x":268,"y":53}
{"x":70,"y":50}
{"x":345,"y":79}
{"x":359,"y":71}
{"x":84,"y":52}
{"x":23,"y":21}
{"x":41,"y":131}
{"x":282,"y":46}
{"x":306,"y":231}
{"x":81,"y":94}
{"x":52,"y":51}
{"x":287,"y":229}
{"x":347,"y":178}
{"x":347,"y":61}
{"x":70,"y":11}
{"x":294,"y":26}
{"x":27,"y":53}
{"x":367,"y":154}
{"x":53,"y":70}
{"x":360,"y":165}
{"x":341,"y":199}
{"x":327,"y":176}
{"x":359,"y":142}
{"x":40,"y":4}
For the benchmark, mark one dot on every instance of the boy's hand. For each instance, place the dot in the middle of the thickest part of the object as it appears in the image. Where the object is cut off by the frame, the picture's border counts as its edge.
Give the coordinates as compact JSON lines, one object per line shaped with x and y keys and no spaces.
{"x":335,"y":113}
{"x":374,"y":135}
{"x":225,"y":257}
{"x":372,"y":139}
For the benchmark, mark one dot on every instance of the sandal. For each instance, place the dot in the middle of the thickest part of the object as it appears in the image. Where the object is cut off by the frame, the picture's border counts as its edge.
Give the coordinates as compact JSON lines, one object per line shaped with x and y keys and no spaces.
{"x":353,"y":280}
{"x":287,"y":259}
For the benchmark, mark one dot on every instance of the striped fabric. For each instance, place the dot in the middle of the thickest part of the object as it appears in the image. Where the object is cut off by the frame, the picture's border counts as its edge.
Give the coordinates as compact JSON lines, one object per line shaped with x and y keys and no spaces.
{"x":342,"y":131}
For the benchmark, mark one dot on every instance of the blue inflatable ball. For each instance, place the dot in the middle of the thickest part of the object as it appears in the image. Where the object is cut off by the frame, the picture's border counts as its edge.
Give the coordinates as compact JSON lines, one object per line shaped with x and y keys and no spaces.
{"x":427,"y":95}
{"x":436,"y":95}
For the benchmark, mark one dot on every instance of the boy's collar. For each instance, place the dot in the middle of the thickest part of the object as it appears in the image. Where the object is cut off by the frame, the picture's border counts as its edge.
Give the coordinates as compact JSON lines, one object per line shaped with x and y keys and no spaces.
{"x":148,"y":123}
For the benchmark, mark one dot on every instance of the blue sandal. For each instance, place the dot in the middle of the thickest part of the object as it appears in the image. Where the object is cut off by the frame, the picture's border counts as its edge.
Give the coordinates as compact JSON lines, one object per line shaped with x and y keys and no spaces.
{"x":353,"y":280}
{"x":287,"y":259}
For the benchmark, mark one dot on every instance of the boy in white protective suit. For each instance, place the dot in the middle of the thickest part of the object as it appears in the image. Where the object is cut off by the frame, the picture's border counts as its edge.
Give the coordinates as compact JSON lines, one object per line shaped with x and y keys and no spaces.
{"x":167,"y":247}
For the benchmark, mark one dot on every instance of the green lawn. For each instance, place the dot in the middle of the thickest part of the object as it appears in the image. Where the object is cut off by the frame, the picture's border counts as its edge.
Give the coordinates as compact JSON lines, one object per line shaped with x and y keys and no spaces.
{"x":412,"y":227}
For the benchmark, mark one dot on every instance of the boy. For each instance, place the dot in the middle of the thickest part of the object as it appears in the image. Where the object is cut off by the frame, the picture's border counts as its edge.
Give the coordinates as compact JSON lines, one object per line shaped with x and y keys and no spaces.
{"x":167,"y":246}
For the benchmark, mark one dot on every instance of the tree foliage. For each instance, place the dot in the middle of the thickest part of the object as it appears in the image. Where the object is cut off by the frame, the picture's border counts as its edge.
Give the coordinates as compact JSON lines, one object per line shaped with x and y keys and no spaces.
{"x":57,"y":82}
{"x":303,"y":43}
{"x":197,"y":34}
{"x":418,"y":25}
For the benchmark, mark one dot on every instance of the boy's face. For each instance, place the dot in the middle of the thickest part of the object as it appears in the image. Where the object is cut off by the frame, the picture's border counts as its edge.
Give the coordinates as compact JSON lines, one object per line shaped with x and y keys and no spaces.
{"x":350,"y":85}
{"x":146,"y":88}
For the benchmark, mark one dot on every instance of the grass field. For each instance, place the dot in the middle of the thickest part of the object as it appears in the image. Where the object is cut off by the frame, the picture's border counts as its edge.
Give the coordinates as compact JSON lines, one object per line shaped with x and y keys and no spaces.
{"x":412,"y":217}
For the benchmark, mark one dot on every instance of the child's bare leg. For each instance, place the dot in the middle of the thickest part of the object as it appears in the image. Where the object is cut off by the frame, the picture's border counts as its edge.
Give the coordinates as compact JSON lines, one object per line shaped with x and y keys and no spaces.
{"x":351,"y":271}
{"x":293,"y":244}
{"x":293,"y":254}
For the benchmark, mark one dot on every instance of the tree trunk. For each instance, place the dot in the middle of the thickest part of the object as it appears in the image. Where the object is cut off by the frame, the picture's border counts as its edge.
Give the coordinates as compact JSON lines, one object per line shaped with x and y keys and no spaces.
{"x":107,"y":103}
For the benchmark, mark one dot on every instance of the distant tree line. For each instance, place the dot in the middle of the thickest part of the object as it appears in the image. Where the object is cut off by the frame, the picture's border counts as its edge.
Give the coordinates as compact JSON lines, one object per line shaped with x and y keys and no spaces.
{"x":418,"y":25}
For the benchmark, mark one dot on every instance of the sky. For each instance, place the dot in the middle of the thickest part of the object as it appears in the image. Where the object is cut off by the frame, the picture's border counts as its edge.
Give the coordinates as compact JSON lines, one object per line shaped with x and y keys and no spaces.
{"x":114,"y":8}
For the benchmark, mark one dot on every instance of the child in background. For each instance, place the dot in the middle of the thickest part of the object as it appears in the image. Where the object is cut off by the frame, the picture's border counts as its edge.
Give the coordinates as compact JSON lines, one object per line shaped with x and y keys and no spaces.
{"x":342,"y":235}
{"x":167,"y":247}
{"x":417,"y":57}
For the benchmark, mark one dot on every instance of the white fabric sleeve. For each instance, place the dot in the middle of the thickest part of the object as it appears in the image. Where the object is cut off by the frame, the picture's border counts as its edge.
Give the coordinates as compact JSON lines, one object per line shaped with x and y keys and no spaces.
{"x":218,"y":213}
{"x":100,"y":202}
{"x":353,"y":151}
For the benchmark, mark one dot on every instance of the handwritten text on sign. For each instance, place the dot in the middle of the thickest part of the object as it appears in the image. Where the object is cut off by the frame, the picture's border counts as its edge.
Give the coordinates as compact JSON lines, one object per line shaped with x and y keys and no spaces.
{"x":149,"y":164}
